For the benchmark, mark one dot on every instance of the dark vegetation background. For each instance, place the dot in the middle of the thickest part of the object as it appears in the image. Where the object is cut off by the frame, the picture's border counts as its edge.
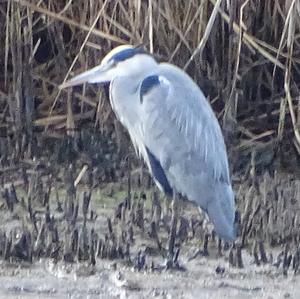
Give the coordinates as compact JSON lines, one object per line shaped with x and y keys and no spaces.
{"x":249,"y":70}
{"x":249,"y":67}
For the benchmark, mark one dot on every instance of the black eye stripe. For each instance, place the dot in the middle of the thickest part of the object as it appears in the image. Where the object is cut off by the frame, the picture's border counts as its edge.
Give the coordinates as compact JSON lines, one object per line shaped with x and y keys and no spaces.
{"x":126,"y":54}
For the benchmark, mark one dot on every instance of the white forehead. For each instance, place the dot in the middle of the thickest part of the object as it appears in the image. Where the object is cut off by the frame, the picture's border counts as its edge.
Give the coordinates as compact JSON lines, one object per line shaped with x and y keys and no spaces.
{"x":114,"y":52}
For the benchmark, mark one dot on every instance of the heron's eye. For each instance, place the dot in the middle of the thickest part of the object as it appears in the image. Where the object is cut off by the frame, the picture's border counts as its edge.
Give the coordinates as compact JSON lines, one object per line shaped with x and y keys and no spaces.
{"x":112,"y":63}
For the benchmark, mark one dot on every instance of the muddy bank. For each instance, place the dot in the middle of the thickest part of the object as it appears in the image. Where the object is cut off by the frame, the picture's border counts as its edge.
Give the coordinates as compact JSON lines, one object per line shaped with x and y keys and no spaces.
{"x":99,"y":228}
{"x":65,"y":237}
{"x":44,"y":279}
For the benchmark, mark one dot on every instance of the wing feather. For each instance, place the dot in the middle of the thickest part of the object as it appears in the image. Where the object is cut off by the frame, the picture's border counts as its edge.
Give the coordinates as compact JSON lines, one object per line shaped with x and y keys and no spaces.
{"x":181,"y":111}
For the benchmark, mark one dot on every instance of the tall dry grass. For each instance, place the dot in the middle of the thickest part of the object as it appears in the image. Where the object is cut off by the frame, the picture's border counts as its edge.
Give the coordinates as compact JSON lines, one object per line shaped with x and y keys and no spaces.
{"x":244,"y":55}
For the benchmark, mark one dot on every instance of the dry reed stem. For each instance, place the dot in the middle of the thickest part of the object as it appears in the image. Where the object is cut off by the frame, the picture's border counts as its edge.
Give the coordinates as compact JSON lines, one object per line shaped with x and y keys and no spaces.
{"x":80,"y":175}
{"x":150,"y":26}
{"x":6,"y":43}
{"x":247,"y":38}
{"x":205,"y":37}
{"x":80,"y":50}
{"x":282,"y":40}
{"x":68,"y":21}
{"x":189,"y":27}
{"x":229,"y":104}
{"x":70,"y":125}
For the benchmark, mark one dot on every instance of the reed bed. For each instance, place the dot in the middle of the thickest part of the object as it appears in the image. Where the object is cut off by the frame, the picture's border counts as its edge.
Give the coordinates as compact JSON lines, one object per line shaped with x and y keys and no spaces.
{"x":246,"y":60}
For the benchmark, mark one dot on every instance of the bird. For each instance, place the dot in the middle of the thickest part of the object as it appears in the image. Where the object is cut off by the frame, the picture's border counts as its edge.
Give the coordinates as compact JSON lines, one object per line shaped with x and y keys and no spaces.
{"x":172,"y":127}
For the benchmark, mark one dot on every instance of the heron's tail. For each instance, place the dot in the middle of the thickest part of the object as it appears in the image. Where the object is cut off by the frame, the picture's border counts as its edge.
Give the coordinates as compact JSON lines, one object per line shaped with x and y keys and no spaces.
{"x":221,"y":212}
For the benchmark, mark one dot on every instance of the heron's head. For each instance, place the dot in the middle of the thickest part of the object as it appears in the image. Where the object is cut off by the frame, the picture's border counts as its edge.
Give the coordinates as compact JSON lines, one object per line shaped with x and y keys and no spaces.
{"x":125,"y":60}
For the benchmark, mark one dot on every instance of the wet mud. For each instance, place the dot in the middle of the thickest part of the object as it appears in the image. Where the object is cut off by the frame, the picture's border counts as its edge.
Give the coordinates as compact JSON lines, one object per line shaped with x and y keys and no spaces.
{"x":63,"y":236}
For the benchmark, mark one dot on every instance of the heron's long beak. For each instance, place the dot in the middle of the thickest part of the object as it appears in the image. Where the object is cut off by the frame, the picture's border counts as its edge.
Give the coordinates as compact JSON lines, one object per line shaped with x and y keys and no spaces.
{"x":98,"y":74}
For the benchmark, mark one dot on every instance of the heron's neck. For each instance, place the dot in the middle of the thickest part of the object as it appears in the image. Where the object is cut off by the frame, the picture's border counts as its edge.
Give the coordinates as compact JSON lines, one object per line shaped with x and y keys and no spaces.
{"x":138,"y":68}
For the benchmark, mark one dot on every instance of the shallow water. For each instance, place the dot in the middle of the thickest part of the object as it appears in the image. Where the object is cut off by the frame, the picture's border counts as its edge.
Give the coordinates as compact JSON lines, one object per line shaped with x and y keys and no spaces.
{"x":44,"y":279}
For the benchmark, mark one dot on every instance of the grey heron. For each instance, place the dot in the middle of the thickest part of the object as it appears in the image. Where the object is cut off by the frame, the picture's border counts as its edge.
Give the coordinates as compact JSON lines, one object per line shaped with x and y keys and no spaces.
{"x":172,"y":127}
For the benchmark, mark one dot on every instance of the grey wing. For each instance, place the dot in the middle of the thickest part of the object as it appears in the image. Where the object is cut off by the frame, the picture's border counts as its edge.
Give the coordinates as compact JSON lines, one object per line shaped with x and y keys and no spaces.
{"x":179,"y":126}
{"x":180,"y":130}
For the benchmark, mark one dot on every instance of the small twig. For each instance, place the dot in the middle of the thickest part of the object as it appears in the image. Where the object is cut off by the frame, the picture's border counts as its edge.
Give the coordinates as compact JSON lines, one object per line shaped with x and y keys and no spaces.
{"x":80,"y":175}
